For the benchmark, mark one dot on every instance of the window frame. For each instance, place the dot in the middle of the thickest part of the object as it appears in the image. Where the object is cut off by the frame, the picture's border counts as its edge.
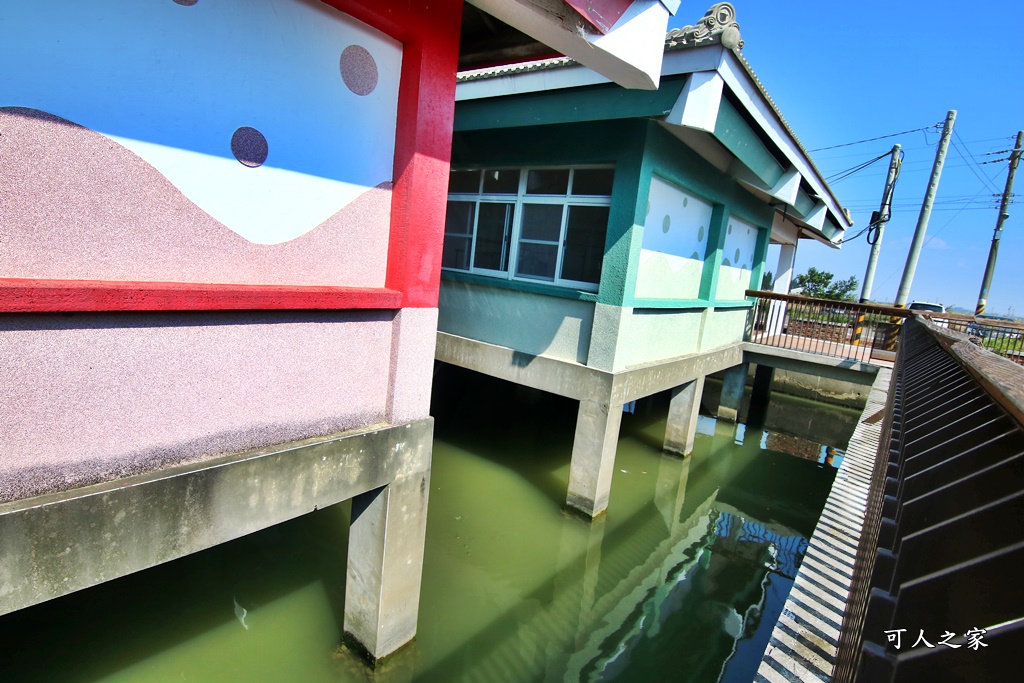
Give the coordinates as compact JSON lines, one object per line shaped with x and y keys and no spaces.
{"x":513,"y":236}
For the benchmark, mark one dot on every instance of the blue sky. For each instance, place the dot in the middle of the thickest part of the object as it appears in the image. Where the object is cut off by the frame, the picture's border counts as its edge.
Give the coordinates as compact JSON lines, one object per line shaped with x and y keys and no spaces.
{"x":847,"y":71}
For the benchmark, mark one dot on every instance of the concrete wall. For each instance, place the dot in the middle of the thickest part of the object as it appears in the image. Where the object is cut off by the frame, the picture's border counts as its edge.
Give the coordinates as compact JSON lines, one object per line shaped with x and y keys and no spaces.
{"x":532,"y":323}
{"x":724,"y":326}
{"x":658,"y":334}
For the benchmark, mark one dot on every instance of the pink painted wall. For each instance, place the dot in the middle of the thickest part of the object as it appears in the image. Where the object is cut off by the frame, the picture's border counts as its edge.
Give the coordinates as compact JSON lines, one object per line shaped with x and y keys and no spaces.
{"x":92,"y":397}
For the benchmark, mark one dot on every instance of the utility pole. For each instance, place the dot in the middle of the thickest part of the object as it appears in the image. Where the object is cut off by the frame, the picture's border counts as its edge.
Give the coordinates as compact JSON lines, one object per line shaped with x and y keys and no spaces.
{"x":1004,"y":205}
{"x":883,"y":217}
{"x":926,"y":211}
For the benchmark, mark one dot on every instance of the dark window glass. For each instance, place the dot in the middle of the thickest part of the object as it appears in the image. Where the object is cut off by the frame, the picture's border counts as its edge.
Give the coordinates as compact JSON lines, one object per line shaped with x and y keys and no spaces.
{"x":455,"y":253}
{"x":542,"y":222}
{"x":501,"y":182}
{"x":593,"y":181}
{"x":459,"y":218}
{"x":584,"y":243}
{"x":458,"y":235}
{"x":547,"y":182}
{"x":492,"y":235}
{"x":537,"y":261}
{"x":464,"y":181}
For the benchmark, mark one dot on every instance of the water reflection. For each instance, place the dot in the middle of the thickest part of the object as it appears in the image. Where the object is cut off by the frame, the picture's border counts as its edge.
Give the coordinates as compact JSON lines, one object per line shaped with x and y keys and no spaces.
{"x":681,"y":580}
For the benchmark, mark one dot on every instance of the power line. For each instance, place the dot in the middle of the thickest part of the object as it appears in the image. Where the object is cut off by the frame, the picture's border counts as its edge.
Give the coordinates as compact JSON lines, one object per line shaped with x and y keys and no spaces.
{"x":880,"y":137}
{"x":829,"y":157}
{"x":976,"y":174}
{"x":843,"y":175}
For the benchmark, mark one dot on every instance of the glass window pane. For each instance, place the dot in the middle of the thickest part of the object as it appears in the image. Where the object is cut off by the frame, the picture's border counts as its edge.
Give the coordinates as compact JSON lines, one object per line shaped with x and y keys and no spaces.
{"x":492,"y":234}
{"x":501,"y":182}
{"x":455,"y":253}
{"x":464,"y":181}
{"x":547,"y":182}
{"x":459,"y":218}
{"x":584,"y":243}
{"x":593,"y":181}
{"x":542,"y":222}
{"x":537,"y":261}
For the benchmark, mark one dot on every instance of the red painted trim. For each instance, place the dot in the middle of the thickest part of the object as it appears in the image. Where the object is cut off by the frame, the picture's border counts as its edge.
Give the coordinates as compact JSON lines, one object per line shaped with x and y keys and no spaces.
{"x":48,"y":296}
{"x":429,"y":32}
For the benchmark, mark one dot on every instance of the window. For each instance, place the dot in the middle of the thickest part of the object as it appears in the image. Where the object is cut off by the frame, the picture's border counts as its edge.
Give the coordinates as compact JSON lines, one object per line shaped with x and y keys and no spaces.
{"x":542,"y":224}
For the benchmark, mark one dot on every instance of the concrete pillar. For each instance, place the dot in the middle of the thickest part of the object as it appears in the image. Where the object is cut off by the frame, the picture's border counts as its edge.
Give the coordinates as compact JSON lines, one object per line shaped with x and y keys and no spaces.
{"x":385,"y":561}
{"x":593,"y":457}
{"x":681,"y":425}
{"x":760,"y":395}
{"x":732,"y":393}
{"x":783,"y":279}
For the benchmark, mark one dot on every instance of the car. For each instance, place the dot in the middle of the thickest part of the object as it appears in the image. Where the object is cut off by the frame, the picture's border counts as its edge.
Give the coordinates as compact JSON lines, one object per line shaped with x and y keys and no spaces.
{"x":926,"y":307}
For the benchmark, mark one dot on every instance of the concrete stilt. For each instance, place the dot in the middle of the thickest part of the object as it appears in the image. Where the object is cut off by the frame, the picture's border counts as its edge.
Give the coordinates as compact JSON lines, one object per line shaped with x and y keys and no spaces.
{"x":385,"y":560}
{"x":593,"y":456}
{"x":733,"y":382}
{"x":681,"y":425}
{"x":760,"y":395}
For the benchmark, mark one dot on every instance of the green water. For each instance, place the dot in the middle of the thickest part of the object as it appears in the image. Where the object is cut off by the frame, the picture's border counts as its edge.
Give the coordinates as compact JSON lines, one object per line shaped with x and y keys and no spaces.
{"x":681,"y":580}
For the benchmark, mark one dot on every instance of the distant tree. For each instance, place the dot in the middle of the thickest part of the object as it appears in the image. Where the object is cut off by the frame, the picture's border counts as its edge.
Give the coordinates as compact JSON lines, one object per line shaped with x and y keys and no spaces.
{"x":767,"y":280}
{"x":819,"y":285}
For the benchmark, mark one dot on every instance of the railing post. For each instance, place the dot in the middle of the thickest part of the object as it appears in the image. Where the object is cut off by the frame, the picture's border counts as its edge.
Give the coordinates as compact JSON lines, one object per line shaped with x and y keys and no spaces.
{"x":858,"y":328}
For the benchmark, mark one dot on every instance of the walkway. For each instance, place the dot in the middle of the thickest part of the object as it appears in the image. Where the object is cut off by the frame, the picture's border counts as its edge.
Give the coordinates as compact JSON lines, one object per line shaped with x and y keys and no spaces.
{"x":804,"y":643}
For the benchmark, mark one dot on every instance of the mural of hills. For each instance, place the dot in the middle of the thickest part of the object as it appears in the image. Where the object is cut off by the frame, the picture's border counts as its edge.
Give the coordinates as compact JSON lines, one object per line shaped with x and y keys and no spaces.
{"x":74,"y":204}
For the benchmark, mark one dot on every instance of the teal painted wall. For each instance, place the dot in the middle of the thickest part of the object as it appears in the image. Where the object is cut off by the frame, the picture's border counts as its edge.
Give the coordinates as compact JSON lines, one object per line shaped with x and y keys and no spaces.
{"x":674,"y":162}
{"x":619,"y":143}
{"x":531,"y":323}
{"x":559,"y":323}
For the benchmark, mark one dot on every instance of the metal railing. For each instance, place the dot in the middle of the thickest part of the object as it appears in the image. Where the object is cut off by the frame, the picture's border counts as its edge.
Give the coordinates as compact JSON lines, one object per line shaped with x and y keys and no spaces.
{"x":864,"y":332}
{"x":935,"y":593}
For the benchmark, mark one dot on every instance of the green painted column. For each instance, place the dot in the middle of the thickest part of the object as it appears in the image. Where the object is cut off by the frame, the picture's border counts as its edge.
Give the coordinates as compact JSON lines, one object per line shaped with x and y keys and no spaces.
{"x":760,"y":258}
{"x":626,"y":219}
{"x":716,"y":249}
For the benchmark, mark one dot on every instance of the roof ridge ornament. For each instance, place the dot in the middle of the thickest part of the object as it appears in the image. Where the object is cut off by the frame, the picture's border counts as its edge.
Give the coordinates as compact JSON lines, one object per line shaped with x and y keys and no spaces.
{"x":717,"y":26}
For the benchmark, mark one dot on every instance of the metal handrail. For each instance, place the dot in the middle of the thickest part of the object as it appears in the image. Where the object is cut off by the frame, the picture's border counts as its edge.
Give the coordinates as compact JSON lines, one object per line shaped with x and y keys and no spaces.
{"x":846,"y":329}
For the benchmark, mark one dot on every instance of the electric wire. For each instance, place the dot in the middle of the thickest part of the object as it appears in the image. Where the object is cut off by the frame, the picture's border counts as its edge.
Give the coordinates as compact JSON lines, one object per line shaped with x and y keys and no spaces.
{"x":880,"y":137}
{"x":843,"y":175}
{"x":966,"y":161}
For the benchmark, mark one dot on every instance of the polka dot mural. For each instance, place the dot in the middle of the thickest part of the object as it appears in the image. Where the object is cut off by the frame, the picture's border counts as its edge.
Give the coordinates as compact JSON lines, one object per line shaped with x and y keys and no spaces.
{"x":204,"y":118}
{"x":358,"y":70}
{"x":674,"y":243}
{"x":249,"y":147}
{"x":737,"y":261}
